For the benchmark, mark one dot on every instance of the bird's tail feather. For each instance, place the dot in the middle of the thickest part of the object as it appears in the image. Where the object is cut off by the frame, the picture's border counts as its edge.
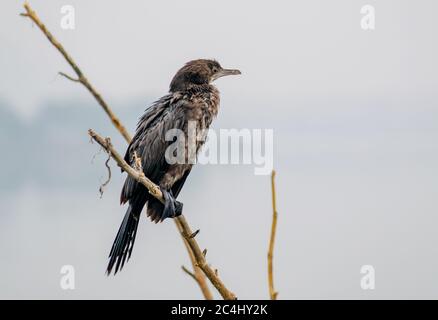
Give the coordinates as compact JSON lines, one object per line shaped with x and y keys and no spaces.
{"x":124,"y":242}
{"x":155,"y":210}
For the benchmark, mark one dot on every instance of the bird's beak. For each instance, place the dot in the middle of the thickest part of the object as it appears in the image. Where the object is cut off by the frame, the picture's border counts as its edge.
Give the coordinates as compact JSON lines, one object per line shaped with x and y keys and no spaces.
{"x":225,"y":72}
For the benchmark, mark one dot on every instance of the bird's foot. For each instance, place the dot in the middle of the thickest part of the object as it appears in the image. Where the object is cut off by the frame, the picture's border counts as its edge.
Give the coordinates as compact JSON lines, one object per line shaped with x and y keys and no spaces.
{"x":172,"y":207}
{"x":178,"y":208}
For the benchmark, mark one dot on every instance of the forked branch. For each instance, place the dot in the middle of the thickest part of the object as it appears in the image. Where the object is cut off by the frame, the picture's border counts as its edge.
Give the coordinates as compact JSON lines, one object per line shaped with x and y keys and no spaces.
{"x":186,"y":231}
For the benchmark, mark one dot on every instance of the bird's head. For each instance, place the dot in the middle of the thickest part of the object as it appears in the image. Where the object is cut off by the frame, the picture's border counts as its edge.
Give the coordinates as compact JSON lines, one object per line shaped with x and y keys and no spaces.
{"x":199,"y":72}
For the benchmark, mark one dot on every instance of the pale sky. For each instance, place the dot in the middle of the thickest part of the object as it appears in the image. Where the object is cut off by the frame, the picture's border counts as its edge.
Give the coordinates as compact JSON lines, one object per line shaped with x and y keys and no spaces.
{"x":286,"y":49}
{"x":354,"y":115}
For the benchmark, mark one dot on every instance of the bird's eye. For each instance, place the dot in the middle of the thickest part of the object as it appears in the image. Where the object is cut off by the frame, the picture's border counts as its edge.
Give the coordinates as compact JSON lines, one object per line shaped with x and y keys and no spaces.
{"x":215,"y":70}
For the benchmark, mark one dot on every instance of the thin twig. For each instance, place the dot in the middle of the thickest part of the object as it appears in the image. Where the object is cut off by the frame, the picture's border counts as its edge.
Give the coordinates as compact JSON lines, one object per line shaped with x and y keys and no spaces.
{"x":272,"y":293}
{"x":186,"y":231}
{"x":68,"y":77}
{"x":191,"y":274}
{"x":30,"y":13}
{"x":103,"y":185}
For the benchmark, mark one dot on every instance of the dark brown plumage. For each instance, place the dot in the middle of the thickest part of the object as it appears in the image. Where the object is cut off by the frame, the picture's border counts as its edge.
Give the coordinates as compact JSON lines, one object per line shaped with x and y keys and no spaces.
{"x":191,"y":97}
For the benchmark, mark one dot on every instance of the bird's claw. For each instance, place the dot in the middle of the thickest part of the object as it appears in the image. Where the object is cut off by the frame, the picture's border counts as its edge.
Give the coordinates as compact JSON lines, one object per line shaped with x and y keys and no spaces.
{"x":178,"y":208}
{"x":172,"y":207}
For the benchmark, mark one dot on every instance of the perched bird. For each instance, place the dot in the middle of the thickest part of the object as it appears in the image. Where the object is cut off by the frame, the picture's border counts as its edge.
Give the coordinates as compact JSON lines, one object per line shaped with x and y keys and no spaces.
{"x":191,"y":98}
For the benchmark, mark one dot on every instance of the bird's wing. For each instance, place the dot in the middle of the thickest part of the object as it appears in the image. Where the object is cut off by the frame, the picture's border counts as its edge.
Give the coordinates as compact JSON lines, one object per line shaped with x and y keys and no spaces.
{"x":146,"y":121}
{"x":176,"y":188}
{"x":149,"y":140}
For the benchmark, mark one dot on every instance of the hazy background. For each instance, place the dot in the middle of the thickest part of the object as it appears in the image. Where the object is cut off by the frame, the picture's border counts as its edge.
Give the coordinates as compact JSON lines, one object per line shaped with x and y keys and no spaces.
{"x":354,"y":115}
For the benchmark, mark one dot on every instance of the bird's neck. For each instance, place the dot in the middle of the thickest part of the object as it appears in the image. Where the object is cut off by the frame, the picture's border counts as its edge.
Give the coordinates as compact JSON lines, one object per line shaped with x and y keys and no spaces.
{"x":192,"y":88}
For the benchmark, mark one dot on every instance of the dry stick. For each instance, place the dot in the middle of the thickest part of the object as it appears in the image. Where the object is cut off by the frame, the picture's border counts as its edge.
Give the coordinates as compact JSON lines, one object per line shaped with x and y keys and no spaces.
{"x":272,"y":293}
{"x":31,"y":14}
{"x":198,"y":275}
{"x":185,"y":228}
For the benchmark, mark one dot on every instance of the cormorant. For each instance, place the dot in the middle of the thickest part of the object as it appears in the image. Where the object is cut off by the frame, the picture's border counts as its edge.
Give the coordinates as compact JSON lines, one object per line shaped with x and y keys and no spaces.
{"x":191,"y":97}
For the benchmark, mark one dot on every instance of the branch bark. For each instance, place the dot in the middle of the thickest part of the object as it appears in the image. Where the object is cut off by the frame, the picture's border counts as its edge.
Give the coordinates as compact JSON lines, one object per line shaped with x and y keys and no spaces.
{"x":31,"y":14}
{"x":272,"y":293}
{"x":197,"y":273}
{"x":186,"y":231}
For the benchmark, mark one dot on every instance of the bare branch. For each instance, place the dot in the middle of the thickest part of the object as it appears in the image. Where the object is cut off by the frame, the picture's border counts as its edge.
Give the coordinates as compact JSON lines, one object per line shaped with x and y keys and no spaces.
{"x":31,"y":14}
{"x":202,"y":283}
{"x":186,"y":231}
{"x":202,"y":263}
{"x":272,"y":293}
{"x":199,"y":274}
